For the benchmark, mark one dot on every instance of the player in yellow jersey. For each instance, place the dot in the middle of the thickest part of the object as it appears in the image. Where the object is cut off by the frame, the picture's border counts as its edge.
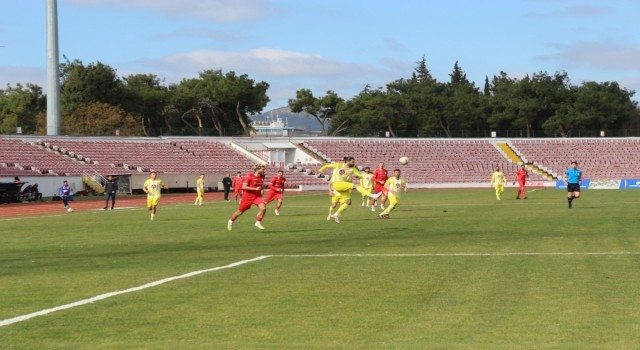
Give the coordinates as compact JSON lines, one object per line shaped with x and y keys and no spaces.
{"x":366,"y":181}
{"x":335,"y":196}
{"x":497,"y":182}
{"x":200,"y":190}
{"x":393,"y":187}
{"x":152,"y":187}
{"x":342,"y":183}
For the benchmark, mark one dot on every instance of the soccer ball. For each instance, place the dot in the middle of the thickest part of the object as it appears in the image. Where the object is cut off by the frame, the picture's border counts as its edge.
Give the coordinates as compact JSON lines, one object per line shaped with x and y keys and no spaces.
{"x":403,"y":160}
{"x":70,"y":210}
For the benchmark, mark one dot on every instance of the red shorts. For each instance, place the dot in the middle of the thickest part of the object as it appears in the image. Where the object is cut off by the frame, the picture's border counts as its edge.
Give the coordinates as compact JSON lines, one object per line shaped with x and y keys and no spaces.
{"x":246,"y":203}
{"x":377,"y":188}
{"x":273,"y":195}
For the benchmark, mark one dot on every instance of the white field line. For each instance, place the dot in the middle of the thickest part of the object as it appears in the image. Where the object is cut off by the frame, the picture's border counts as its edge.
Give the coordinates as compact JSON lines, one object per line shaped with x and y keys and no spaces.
{"x":130,"y":290}
{"x":17,"y":319}
{"x":455,"y":254}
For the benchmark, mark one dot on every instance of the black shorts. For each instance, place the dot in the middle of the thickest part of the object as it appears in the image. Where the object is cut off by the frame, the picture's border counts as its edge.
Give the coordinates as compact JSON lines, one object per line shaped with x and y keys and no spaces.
{"x":573,"y":187}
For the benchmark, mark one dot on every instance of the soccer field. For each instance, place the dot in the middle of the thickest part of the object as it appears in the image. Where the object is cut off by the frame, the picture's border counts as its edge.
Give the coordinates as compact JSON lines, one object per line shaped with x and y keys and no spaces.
{"x":451,"y":269}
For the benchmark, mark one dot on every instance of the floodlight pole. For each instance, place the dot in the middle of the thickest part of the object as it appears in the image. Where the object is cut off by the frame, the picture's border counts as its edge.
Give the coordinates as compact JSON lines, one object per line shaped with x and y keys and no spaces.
{"x":53,"y":68}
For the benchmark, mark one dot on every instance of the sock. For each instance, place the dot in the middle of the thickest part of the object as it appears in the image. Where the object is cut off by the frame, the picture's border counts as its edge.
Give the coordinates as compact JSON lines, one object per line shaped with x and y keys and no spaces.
{"x":342,"y":208}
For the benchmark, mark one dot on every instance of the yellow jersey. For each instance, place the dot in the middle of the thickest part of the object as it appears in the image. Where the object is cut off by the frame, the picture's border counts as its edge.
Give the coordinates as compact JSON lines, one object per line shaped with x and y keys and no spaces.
{"x":395,"y":185}
{"x":153,"y":188}
{"x":342,"y":172}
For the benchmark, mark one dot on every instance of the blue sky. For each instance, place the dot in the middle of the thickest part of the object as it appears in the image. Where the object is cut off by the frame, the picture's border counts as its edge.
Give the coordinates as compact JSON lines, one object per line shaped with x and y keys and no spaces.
{"x":339,"y":45}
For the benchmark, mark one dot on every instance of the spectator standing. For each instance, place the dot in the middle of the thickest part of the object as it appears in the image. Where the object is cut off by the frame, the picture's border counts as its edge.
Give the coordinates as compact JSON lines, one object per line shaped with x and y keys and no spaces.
{"x":110,"y":191}
{"x":226,"y":185}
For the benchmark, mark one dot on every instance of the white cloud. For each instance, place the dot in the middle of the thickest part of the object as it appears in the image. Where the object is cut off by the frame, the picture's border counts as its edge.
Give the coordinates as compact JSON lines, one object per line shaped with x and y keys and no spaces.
{"x":263,"y":61}
{"x":213,"y":10}
{"x":13,"y":75}
{"x":603,"y":55}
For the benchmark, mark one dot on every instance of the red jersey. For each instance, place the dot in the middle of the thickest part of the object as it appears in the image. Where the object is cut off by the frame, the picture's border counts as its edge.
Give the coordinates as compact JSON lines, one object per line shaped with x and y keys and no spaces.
{"x":237,"y":183}
{"x":277,"y":183}
{"x":380,"y":175}
{"x":252,"y":180}
{"x":521,"y":175}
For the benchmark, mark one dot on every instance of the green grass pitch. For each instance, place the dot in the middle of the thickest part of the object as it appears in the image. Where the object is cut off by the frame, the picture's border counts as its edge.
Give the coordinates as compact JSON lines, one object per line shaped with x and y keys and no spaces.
{"x":451,"y":269}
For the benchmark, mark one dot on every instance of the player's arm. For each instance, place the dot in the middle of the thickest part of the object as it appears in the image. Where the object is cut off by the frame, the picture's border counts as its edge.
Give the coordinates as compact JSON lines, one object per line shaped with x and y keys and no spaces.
{"x":329,"y":166}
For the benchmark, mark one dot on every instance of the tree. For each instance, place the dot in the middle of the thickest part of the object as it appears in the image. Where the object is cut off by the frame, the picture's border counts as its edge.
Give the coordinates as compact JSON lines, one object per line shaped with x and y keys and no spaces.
{"x":322,"y":108}
{"x":98,"y":119}
{"x":19,"y":107}
{"x":595,"y":106}
{"x":96,"y":82}
{"x":221,"y":101}
{"x":147,"y":101}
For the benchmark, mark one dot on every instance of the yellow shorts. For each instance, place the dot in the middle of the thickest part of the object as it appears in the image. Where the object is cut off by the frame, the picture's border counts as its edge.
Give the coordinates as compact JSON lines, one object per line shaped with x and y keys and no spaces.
{"x":392,"y":199}
{"x":342,"y":186}
{"x":152,"y":202}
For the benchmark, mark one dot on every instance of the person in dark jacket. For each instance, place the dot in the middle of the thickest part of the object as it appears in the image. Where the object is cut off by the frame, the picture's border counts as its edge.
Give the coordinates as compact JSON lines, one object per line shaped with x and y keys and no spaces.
{"x":110,"y":191}
{"x":226,"y":184}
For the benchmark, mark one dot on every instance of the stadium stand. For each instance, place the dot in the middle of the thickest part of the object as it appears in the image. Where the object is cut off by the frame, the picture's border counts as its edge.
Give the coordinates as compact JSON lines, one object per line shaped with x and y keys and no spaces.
{"x":431,"y":160}
{"x":597,"y":158}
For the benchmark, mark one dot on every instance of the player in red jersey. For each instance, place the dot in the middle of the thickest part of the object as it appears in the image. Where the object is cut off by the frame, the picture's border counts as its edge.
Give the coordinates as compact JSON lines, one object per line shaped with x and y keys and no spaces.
{"x":521,"y":178}
{"x":237,"y":185}
{"x":252,"y":185}
{"x":276,"y":189}
{"x":380,"y":176}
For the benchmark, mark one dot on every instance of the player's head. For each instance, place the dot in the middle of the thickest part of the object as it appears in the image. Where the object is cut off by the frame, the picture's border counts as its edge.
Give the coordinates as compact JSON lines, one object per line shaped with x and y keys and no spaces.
{"x":280,"y":173}
{"x":259,"y":168}
{"x":497,"y":168}
{"x":381,"y":165}
{"x":153,"y":174}
{"x":351,"y":162}
{"x":238,"y":174}
{"x":366,"y":169}
{"x":521,"y":166}
{"x":396,"y":173}
{"x":65,"y":182}
{"x":202,"y":176}
{"x":574,"y":164}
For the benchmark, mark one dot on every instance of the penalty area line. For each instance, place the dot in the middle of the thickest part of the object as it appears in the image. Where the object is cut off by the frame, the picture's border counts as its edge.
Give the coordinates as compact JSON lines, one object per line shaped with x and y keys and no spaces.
{"x":130,"y":290}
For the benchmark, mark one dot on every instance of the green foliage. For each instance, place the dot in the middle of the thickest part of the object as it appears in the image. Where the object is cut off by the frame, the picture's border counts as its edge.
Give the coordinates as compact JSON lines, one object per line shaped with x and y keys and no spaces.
{"x":218,"y":103}
{"x":323,"y":108}
{"x":19,"y":107}
{"x":147,"y":100}
{"x":221,"y":101}
{"x":82,"y":84}
{"x":450,"y":269}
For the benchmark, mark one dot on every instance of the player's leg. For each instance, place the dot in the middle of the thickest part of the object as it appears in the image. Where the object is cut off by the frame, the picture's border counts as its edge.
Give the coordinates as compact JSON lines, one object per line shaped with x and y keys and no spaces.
{"x":244,"y":206}
{"x":346,"y":202}
{"x":393,"y":202}
{"x":262,"y":210}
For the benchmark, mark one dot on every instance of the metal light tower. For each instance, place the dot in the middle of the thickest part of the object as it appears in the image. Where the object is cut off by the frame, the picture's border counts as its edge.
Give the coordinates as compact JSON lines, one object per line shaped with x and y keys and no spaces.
{"x":53,"y":68}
